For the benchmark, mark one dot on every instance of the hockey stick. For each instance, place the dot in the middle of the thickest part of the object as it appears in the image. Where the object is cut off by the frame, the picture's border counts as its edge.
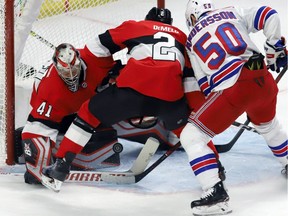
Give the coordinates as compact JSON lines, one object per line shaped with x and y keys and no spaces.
{"x":221,"y":148}
{"x":246,"y":127}
{"x":138,"y":166}
{"x":43,"y":40}
{"x":130,"y":179}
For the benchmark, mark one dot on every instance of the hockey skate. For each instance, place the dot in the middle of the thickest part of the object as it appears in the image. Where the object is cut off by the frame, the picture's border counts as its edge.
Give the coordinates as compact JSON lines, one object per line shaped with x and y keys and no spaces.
{"x":30,"y":179}
{"x":214,"y":201}
{"x":53,"y":176}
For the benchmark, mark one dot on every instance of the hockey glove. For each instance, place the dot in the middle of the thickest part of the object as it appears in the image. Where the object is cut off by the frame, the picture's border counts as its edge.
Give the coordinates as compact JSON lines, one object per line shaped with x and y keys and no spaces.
{"x":276,"y":55}
{"x":111,"y":77}
{"x":115,"y":70}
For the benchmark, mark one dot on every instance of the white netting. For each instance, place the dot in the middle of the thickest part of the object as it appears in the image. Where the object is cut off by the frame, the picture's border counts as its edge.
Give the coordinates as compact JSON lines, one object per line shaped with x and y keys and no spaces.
{"x":71,"y":21}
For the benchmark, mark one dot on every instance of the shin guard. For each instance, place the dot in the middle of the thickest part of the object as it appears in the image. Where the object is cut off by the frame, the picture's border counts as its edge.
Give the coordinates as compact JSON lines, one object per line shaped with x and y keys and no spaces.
{"x":37,"y":154}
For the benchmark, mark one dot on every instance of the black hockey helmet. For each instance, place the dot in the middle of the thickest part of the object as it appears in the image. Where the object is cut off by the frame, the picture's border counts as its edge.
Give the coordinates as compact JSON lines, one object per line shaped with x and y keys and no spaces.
{"x":160,"y":15}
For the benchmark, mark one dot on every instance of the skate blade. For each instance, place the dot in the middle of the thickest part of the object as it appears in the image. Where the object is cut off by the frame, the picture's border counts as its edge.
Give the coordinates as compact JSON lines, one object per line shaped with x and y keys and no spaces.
{"x":212,"y":210}
{"x":52,"y":184}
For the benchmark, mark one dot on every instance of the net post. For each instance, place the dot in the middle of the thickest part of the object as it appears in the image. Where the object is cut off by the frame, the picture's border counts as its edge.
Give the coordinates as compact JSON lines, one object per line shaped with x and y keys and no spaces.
{"x":10,"y":82}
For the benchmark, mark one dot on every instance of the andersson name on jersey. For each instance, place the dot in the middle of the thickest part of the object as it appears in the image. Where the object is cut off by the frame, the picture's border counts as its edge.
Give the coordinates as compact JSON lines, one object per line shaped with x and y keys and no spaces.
{"x":206,"y":21}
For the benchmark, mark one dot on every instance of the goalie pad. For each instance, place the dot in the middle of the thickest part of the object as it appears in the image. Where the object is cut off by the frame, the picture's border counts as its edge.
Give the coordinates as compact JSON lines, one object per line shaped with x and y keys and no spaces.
{"x":37,"y":154}
{"x":102,"y":150}
{"x":140,"y":129}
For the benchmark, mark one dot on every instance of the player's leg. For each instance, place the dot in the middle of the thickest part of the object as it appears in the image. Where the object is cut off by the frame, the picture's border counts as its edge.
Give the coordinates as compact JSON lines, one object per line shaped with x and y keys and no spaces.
{"x":102,"y":150}
{"x":172,"y":114}
{"x":108,"y":107}
{"x":216,"y":115}
{"x":37,"y":154}
{"x":263,"y":117}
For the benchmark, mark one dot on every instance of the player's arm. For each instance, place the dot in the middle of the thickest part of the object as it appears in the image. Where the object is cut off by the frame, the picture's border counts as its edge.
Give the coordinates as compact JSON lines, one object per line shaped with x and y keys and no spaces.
{"x":111,"y":41}
{"x":43,"y":119}
{"x":267,"y":19}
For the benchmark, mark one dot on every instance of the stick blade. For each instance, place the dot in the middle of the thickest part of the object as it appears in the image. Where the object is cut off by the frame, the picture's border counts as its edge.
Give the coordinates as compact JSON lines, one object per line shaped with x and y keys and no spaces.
{"x":145,"y":155}
{"x":118,"y":179}
{"x":138,"y":166}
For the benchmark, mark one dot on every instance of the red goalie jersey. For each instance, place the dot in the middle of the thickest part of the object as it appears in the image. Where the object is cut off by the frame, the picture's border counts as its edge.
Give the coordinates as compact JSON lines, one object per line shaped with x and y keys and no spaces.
{"x":51,"y":100}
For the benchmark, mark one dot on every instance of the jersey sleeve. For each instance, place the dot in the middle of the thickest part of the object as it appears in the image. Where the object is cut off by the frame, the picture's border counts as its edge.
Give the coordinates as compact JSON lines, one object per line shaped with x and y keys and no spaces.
{"x":43,"y":119}
{"x":112,"y":40}
{"x":262,"y":18}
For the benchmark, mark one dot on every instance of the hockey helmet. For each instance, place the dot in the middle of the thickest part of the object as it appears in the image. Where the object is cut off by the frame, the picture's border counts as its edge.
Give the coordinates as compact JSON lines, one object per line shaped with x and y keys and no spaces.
{"x":197,"y":8}
{"x":160,"y":15}
{"x":68,"y":64}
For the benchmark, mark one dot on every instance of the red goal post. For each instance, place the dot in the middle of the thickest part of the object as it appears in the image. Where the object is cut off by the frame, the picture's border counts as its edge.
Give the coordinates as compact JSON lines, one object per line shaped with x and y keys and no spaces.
{"x":7,"y":80}
{"x":29,"y":31}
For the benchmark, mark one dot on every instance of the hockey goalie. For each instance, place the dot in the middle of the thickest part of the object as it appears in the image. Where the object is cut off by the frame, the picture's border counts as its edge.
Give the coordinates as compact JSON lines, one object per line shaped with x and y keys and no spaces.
{"x":58,"y":91}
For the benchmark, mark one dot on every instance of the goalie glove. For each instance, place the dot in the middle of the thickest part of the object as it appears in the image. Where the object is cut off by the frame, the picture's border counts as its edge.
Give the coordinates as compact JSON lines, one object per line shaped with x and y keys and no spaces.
{"x":276,"y":55}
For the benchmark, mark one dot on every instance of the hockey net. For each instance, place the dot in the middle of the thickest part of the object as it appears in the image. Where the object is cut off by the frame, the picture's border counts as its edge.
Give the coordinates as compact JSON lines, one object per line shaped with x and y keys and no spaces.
{"x":39,"y":26}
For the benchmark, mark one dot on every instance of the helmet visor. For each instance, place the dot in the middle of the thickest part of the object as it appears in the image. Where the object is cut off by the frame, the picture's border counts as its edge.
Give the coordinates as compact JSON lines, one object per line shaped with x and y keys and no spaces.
{"x":70,"y":74}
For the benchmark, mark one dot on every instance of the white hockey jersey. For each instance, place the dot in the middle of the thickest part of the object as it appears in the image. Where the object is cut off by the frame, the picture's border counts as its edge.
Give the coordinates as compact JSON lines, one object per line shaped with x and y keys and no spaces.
{"x":219,"y":43}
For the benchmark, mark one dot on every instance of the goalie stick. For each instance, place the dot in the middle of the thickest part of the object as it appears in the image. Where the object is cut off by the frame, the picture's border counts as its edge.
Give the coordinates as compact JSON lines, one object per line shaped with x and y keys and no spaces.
{"x":138,"y":167}
{"x":130,"y":179}
{"x":222,"y":148}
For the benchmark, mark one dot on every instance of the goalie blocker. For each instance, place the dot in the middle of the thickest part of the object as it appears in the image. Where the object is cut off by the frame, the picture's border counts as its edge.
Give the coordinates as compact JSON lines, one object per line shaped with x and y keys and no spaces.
{"x":103,"y":150}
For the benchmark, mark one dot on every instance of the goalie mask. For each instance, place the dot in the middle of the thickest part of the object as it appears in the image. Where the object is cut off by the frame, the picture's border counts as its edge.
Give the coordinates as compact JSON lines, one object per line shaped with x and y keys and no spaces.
{"x":68,"y":64}
{"x":197,"y":8}
{"x":160,"y":15}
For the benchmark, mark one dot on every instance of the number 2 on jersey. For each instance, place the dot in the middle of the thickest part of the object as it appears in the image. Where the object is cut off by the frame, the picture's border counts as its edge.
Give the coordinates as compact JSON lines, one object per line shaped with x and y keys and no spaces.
{"x":162,"y":50}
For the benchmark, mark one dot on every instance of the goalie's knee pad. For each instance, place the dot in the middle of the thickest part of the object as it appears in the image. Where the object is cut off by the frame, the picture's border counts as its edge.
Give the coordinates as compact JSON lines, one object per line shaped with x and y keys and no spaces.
{"x":140,"y":129}
{"x":37,"y":154}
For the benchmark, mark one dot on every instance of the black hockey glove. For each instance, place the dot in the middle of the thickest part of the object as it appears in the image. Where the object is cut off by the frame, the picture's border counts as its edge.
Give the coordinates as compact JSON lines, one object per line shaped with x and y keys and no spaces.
{"x":255,"y":62}
{"x":115,"y":70}
{"x":112,"y":75}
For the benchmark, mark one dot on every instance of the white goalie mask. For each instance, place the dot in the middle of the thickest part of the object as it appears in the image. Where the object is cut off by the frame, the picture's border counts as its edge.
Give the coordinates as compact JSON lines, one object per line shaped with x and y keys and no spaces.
{"x":197,"y":8}
{"x":68,"y":64}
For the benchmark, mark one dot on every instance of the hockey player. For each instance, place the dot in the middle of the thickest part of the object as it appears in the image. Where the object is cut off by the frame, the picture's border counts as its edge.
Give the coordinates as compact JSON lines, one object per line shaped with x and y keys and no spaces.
{"x":151,"y":84}
{"x":231,"y":71}
{"x":58,"y":91}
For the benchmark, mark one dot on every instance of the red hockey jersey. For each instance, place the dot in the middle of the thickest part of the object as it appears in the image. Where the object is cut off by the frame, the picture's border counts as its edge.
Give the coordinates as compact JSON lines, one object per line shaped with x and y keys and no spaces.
{"x":157,"y":57}
{"x":51,"y":100}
